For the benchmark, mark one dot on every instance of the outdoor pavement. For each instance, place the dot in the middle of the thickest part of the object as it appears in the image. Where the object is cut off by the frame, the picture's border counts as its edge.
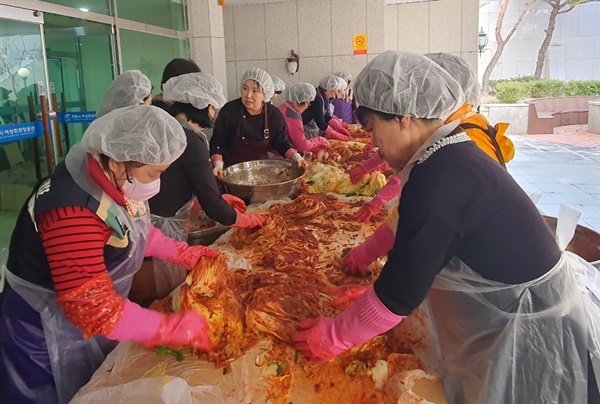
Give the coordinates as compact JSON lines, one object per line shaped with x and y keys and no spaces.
{"x":564,"y":168}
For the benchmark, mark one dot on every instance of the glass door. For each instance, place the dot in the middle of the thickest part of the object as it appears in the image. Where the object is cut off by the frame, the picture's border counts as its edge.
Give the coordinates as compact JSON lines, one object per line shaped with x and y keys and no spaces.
{"x":26,"y":144}
{"x":81,"y":66}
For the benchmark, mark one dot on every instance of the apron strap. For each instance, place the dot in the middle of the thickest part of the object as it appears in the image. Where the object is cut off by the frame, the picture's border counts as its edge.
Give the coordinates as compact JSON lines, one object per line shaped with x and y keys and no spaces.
{"x":266,"y":130}
{"x":491,"y":133}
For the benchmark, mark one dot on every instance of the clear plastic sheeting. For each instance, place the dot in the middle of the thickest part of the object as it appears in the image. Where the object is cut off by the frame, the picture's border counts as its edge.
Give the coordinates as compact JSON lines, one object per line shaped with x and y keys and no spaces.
{"x":169,"y":275}
{"x":520,"y":343}
{"x":408,"y":84}
{"x":144,"y":134}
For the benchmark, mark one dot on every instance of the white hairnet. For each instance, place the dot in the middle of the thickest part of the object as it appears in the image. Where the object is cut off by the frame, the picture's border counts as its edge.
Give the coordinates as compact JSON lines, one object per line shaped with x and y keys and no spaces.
{"x":278,"y":83}
{"x":333,"y":82}
{"x":262,"y":78}
{"x":301,"y":92}
{"x":197,"y":89}
{"x":128,"y":89}
{"x":143,"y":133}
{"x":407,"y":84}
{"x":461,"y":71}
{"x":345,"y":75}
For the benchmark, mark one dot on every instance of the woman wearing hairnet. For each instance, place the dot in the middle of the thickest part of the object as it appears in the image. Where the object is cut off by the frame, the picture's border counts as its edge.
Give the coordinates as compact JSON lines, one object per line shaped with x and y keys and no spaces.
{"x":318,"y":116}
{"x":78,"y":241}
{"x":278,"y":86}
{"x":247,"y":128}
{"x":299,"y":97}
{"x":489,"y":139}
{"x":174,"y":68}
{"x":128,"y":89}
{"x":343,"y":103}
{"x":511,"y":318}
{"x":193,"y":100}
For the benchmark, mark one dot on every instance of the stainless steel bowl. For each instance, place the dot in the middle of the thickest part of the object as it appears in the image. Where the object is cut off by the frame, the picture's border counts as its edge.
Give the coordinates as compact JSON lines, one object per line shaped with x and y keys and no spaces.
{"x":206,"y":236}
{"x":263,"y":180}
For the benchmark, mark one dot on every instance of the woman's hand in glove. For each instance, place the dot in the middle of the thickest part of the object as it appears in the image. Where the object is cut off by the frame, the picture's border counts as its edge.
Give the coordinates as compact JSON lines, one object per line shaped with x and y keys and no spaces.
{"x":379,"y":244}
{"x":152,"y":328}
{"x":366,"y":212}
{"x":325,"y":338}
{"x":249,"y":220}
{"x":317,"y":340}
{"x":188,"y":256}
{"x":235,"y":202}
{"x":217,"y":162}
{"x":338,"y":125}
{"x":181,"y":329}
{"x":332,"y":133}
{"x":368,"y":149}
{"x":218,"y":172}
{"x":357,"y":174}
{"x":357,"y":261}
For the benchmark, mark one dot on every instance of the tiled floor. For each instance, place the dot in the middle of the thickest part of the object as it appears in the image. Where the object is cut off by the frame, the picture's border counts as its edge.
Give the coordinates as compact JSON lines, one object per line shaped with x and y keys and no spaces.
{"x":561,"y":173}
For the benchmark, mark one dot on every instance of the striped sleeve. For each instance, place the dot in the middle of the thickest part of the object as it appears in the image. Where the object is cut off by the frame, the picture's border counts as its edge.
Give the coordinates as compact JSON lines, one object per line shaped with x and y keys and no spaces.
{"x":73,"y":239}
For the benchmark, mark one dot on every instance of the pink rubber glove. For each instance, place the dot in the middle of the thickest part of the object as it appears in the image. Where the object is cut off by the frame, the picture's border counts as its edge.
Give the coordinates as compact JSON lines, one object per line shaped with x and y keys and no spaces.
{"x":179,"y":252}
{"x":372,"y":164}
{"x":321,"y":143}
{"x":337,"y":125}
{"x":359,"y":258}
{"x":390,"y":191}
{"x":249,"y":220}
{"x":151,"y":328}
{"x":188,"y":256}
{"x":235,"y":202}
{"x":336,"y":135}
{"x":368,"y":149}
{"x":196,"y":205}
{"x":325,"y":338}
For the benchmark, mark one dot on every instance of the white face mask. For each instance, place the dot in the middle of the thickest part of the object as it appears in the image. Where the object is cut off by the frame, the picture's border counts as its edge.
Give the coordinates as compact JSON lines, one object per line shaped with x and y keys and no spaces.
{"x":139,"y":191}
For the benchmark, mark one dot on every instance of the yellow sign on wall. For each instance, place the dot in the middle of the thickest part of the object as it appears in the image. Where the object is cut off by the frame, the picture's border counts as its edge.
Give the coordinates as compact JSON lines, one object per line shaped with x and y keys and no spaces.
{"x":360,"y":44}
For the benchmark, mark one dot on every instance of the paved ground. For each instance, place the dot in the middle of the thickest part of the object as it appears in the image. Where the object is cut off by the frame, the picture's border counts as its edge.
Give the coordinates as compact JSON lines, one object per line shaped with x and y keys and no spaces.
{"x":562,"y":173}
{"x":574,"y":135}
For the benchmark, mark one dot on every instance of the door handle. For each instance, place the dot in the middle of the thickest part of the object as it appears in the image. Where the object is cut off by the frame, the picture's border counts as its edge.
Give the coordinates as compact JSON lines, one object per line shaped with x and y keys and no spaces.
{"x":47,"y":140}
{"x":54,"y":117}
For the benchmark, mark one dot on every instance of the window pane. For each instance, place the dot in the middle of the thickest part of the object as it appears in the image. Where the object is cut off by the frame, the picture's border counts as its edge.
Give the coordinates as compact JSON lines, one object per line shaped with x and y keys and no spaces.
{"x":162,"y":13}
{"x":93,"y":6}
{"x":150,"y":53}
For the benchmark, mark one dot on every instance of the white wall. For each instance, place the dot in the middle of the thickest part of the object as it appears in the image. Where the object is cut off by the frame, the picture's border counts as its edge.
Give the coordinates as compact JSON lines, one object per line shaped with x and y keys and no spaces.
{"x":321,"y":32}
{"x":574,"y":53}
